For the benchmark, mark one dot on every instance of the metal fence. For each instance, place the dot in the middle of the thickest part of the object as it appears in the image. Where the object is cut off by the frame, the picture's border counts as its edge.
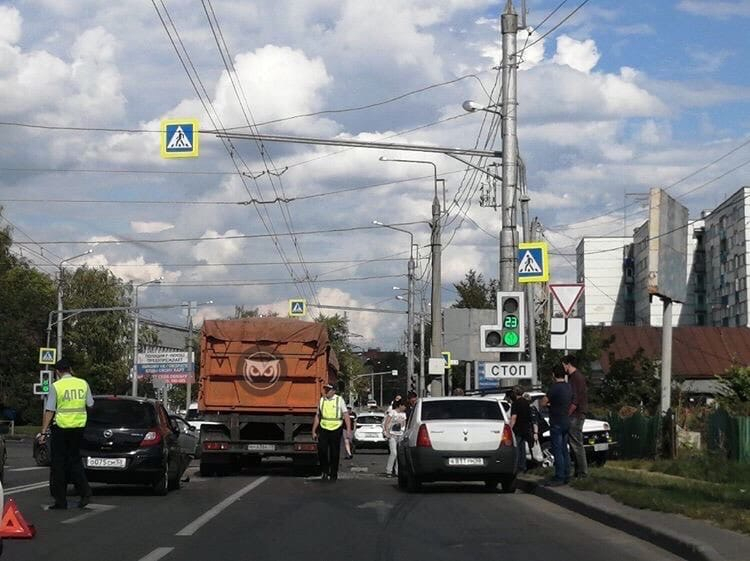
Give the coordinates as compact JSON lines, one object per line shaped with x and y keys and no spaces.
{"x":637,"y":436}
{"x":729,"y":435}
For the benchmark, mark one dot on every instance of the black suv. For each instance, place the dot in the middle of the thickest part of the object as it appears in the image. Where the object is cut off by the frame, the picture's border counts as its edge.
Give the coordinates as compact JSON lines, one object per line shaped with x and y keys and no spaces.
{"x":134,"y":440}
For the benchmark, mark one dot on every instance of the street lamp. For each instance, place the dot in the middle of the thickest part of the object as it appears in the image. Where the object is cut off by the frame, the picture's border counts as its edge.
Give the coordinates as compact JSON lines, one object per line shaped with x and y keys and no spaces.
{"x":60,"y":299}
{"x":409,"y":303}
{"x":436,"y":346}
{"x":472,"y":106}
{"x":135,"y":332}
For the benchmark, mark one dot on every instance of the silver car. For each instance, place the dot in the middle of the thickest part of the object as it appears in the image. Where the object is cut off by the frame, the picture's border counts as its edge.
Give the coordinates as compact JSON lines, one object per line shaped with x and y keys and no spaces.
{"x":458,"y":439}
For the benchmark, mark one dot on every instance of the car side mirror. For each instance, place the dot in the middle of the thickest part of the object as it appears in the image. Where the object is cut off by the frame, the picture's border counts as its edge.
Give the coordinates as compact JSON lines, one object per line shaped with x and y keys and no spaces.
{"x":191,"y":428}
{"x":173,"y":425}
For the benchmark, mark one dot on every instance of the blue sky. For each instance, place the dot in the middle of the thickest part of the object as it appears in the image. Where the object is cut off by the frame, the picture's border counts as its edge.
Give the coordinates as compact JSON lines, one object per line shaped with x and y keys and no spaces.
{"x":621,"y":97}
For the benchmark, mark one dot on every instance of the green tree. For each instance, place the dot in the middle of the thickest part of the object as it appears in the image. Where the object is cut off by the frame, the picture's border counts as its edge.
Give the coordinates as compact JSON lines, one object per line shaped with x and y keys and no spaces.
{"x":735,"y":397}
{"x":241,"y":313}
{"x":98,"y":344}
{"x":632,"y":381}
{"x":474,"y":292}
{"x":350,"y":363}
{"x":26,"y":297}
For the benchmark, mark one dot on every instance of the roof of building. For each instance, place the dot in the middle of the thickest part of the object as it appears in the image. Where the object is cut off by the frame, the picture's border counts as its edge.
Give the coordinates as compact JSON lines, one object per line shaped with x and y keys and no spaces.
{"x":697,"y":352}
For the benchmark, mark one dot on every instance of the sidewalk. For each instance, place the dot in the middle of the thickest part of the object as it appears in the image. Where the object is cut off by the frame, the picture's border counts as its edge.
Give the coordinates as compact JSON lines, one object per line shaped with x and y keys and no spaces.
{"x":694,"y":540}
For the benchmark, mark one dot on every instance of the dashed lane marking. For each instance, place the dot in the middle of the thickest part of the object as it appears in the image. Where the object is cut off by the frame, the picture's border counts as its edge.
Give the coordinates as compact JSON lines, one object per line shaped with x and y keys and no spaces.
{"x":157,"y":554}
{"x":203,"y":519}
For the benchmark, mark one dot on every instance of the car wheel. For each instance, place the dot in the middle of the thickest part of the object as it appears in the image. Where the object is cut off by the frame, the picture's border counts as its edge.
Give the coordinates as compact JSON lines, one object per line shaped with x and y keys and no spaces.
{"x":600,"y":458}
{"x":491,"y":484}
{"x":402,"y":479}
{"x":509,"y":484}
{"x":174,"y":483}
{"x":161,"y":485}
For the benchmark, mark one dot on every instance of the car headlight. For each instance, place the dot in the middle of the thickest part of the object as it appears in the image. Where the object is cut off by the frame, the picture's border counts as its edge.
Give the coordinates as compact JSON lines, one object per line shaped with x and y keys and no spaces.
{"x":592,"y":440}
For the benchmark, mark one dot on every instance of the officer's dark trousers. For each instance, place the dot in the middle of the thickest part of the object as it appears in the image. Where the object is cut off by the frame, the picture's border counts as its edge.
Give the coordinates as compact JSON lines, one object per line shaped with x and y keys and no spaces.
{"x":329,"y":450}
{"x":66,"y":464}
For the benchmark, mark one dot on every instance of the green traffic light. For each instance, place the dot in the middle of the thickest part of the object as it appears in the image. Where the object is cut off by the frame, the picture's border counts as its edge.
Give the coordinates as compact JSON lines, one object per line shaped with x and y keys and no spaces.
{"x":510,"y":338}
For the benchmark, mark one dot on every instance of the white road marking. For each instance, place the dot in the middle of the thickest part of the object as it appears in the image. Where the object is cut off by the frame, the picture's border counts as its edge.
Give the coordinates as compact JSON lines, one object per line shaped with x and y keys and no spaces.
{"x":196,"y":524}
{"x":29,"y":468}
{"x":381,"y":509}
{"x":28,"y":487}
{"x":157,"y":554}
{"x":92,"y":509}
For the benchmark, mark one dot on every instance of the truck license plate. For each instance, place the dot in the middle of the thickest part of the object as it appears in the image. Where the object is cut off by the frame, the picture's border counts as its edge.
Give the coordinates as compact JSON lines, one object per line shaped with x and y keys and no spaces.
{"x":118,"y":463}
{"x":465,"y":462}
{"x":262,"y":447}
{"x":601,"y":447}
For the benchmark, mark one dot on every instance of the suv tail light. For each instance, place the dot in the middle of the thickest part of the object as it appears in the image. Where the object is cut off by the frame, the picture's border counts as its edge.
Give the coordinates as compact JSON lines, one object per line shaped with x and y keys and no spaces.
{"x":152,"y":438}
{"x":213,"y":445}
{"x":423,"y":437}
{"x":507,"y":438}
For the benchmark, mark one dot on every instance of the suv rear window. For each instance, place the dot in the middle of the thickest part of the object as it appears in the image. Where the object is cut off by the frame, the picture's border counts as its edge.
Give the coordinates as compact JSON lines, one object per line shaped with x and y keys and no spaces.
{"x":465,"y":409}
{"x":122,"y":413}
{"x":369,"y":420}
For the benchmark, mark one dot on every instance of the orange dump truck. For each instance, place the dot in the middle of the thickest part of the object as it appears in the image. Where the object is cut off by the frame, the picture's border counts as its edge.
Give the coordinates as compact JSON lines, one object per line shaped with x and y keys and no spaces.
{"x":260,"y":382}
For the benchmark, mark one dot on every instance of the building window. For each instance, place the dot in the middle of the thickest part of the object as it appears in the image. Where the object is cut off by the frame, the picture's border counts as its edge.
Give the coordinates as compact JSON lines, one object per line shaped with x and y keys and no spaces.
{"x":700,"y":319}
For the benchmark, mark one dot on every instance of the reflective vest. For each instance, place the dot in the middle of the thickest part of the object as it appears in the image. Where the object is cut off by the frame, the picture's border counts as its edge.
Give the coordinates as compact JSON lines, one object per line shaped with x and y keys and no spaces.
{"x":330,"y":413}
{"x":71,"y":402}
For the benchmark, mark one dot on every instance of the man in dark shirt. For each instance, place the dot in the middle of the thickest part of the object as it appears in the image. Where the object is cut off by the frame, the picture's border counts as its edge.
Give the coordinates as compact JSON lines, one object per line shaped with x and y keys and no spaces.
{"x":559,"y":398}
{"x":578,"y":410}
{"x":520,"y":422}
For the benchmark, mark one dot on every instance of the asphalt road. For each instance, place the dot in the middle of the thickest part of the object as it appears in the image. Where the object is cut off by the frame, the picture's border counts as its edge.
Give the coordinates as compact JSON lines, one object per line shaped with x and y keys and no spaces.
{"x":271,"y":515}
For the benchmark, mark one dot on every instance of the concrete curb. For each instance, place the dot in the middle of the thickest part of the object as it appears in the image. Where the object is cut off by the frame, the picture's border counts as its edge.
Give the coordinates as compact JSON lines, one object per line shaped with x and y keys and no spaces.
{"x":680,"y":545}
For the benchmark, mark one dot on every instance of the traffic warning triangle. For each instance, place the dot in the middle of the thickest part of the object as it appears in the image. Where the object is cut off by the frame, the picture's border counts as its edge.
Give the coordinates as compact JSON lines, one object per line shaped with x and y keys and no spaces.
{"x":13,"y":524}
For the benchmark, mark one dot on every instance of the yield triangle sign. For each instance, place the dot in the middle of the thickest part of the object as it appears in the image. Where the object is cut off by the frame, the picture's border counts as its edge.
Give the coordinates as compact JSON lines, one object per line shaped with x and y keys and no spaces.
{"x":566,"y":295}
{"x":528,"y":264}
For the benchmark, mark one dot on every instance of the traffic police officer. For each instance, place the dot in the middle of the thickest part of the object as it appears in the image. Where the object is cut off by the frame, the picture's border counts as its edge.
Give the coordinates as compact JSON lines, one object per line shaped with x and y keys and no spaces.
{"x":330,"y":418}
{"x":67,"y":401}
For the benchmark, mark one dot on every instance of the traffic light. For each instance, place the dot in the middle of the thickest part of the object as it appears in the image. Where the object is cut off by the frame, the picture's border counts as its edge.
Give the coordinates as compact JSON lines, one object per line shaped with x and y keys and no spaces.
{"x":45,"y":380}
{"x":510,"y":334}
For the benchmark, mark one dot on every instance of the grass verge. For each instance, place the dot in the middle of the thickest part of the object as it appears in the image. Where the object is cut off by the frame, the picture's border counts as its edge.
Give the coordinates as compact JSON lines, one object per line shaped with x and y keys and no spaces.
{"x":725,"y":504}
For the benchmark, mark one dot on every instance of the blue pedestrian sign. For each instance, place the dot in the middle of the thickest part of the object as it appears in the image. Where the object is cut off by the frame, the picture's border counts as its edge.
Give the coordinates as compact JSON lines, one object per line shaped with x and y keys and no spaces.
{"x":179,"y":138}
{"x":297,"y":308}
{"x":533,"y":262}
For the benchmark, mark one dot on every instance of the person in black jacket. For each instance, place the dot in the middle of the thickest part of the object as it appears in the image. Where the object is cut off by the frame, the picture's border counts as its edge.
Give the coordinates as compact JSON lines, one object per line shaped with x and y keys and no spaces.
{"x":520,"y":422}
{"x":559,"y":398}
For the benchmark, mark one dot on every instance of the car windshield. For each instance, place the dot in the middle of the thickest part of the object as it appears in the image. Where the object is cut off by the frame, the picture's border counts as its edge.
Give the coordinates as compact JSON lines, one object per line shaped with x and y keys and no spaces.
{"x":465,"y":409}
{"x":193,"y":415}
{"x":369,"y":420}
{"x":121,"y":413}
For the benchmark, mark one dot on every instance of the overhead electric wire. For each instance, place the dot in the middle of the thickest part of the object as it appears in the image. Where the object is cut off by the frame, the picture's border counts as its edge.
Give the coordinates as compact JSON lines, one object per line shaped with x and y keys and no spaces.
{"x":213,"y":238}
{"x":271,"y":282}
{"x":215,"y":119}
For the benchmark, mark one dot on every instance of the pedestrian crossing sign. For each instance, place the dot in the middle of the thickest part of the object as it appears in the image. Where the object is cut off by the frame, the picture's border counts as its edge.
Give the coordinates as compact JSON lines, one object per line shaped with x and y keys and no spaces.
{"x":533,"y":262}
{"x":446,"y":359}
{"x":297,"y":308}
{"x":47,"y":355}
{"x":179,"y":138}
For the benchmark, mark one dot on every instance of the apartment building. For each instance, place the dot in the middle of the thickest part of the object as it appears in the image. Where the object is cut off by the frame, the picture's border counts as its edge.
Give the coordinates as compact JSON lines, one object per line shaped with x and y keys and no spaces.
{"x":600,"y":265}
{"x":726,"y":242}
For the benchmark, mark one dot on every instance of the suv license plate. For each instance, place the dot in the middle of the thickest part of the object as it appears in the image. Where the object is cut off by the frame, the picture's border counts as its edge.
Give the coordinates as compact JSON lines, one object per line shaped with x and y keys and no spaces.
{"x":262,"y":447}
{"x":118,"y":463}
{"x":601,"y":447}
{"x":465,"y":462}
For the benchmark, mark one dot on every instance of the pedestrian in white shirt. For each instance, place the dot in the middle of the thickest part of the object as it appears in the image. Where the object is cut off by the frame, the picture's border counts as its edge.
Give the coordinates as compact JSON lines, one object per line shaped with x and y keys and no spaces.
{"x":393,"y":428}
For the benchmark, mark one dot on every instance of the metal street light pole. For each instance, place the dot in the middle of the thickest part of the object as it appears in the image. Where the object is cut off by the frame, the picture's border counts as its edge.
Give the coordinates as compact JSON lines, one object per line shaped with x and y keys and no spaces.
{"x":436,"y":345}
{"x":189,"y":387}
{"x":60,"y":275}
{"x":409,"y":304}
{"x":134,"y":386}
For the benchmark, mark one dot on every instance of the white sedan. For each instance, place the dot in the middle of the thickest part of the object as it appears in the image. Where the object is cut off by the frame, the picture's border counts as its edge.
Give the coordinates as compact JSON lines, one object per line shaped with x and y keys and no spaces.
{"x":368,"y":431}
{"x":458,"y":439}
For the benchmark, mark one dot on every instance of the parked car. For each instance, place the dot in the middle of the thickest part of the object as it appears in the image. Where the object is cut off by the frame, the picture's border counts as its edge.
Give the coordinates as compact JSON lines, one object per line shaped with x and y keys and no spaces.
{"x":134,"y":440}
{"x":597,"y":438}
{"x":368,"y":431}
{"x":458,"y":439}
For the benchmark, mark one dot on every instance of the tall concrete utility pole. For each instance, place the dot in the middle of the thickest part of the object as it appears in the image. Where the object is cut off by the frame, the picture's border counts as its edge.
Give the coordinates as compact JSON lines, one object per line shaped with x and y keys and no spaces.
{"x":508,"y":234}
{"x":436,"y":343}
{"x":60,"y":280}
{"x":189,"y":386}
